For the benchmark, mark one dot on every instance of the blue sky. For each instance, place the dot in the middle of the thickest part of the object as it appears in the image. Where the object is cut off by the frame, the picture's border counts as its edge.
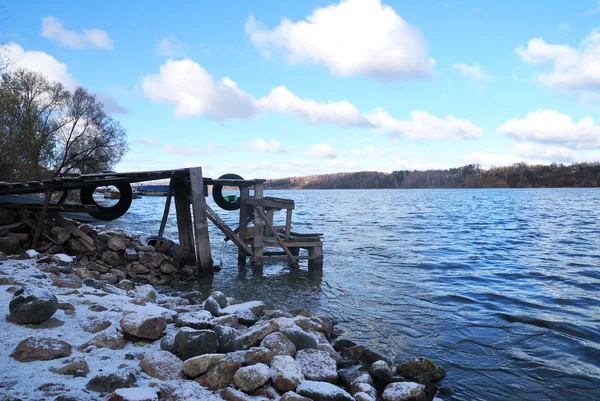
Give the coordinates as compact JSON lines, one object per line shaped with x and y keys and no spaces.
{"x":276,"y":89}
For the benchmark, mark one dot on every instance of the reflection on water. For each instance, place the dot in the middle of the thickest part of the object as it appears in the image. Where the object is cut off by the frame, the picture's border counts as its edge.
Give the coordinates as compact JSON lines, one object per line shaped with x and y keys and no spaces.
{"x":501,"y":287}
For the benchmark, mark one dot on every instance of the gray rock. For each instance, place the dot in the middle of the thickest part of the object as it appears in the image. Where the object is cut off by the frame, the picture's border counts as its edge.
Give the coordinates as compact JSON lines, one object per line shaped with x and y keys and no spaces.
{"x":9,"y":245}
{"x":291,"y":396}
{"x":32,"y":305}
{"x":143,"y":326}
{"x":286,"y":374}
{"x":301,"y":339}
{"x":227,"y":320}
{"x":7,"y":216}
{"x":329,"y":349}
{"x":421,"y":370}
{"x":59,"y":235}
{"x":247,"y":312}
{"x":229,"y":340}
{"x":355,"y":374}
{"x":279,"y":344}
{"x":364,"y":388}
{"x":126,"y":285}
{"x":322,"y":391}
{"x":317,"y":365}
{"x":194,"y":297}
{"x":255,"y":334}
{"x":167,"y":343}
{"x":219,"y":377}
{"x":381,"y":372}
{"x":116,"y":243}
{"x":109,"y":278}
{"x":90,"y":282}
{"x":197,"y":320}
{"x":145,"y":293}
{"x":190,"y":342}
{"x":258,"y":355}
{"x":94,"y":325}
{"x":151,"y":259}
{"x":108,"y":382}
{"x":220,"y":298}
{"x":201,"y":364}
{"x":167,"y":268}
{"x":120,"y":275}
{"x":76,"y":246}
{"x":250,"y":378}
{"x":342,"y":344}
{"x":99,"y":267}
{"x":162,"y":365}
{"x":112,"y":258}
{"x":41,"y":349}
{"x":404,"y":391}
{"x":69,"y":281}
{"x":3,"y":256}
{"x":77,"y":367}
{"x":139,"y":269}
{"x":212,"y":306}
{"x":111,"y":340}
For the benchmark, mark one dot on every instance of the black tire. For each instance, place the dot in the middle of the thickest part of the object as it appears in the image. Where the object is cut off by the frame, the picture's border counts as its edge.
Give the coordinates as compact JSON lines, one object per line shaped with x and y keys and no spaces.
{"x":86,"y":196}
{"x":217,"y":193}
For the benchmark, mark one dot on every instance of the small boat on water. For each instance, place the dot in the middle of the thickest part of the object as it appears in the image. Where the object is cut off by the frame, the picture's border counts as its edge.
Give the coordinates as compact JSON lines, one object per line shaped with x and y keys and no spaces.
{"x":152,"y":190}
{"x":112,"y":194}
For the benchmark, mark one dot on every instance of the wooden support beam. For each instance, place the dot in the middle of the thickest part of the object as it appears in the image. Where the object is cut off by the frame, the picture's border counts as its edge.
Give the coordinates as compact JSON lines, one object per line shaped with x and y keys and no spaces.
{"x":291,"y":257}
{"x":40,"y":224}
{"x":243,"y":227}
{"x":184,"y":217}
{"x":221,"y":225}
{"x":288,"y":224}
{"x":86,"y":240}
{"x":257,"y":243}
{"x":203,"y":256}
{"x":275,"y":204}
{"x":316,"y":258}
{"x":163,"y":223}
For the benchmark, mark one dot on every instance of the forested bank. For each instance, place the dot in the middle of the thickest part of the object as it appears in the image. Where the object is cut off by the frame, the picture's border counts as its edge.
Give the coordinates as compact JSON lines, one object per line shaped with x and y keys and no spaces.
{"x":519,"y":175}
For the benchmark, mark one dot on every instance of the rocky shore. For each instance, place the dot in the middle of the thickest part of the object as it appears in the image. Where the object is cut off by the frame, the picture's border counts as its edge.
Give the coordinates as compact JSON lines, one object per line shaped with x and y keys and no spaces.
{"x":97,"y":325}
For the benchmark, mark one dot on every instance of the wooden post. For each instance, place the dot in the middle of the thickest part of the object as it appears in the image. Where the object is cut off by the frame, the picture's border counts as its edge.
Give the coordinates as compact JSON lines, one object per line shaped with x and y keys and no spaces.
{"x":257,"y":244}
{"x":163,"y":223}
{"x":288,"y":224}
{"x":40,"y":224}
{"x":316,"y":262}
{"x":291,"y":257}
{"x":203,"y":257}
{"x":184,"y":218}
{"x":243,"y":227}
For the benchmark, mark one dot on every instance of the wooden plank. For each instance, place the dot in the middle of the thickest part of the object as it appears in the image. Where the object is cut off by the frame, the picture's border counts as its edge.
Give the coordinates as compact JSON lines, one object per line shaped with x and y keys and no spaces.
{"x":271,"y":203}
{"x":288,"y":224}
{"x":40,"y":224}
{"x":316,"y":254}
{"x":217,"y":221}
{"x":184,"y":217}
{"x":250,"y":232}
{"x":203,"y":256}
{"x":293,"y":260}
{"x":74,"y":230}
{"x":300,"y":244}
{"x":257,"y":243}
{"x":163,"y":222}
{"x":284,"y":257}
{"x":243,"y":227}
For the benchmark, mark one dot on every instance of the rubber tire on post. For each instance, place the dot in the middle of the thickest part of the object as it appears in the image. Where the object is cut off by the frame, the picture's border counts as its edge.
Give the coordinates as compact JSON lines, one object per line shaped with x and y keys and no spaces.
{"x":217,"y":193}
{"x":86,"y":196}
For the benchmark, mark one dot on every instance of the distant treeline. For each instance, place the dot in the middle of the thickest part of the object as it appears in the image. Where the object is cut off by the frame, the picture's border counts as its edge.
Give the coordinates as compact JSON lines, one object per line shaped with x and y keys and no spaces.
{"x":519,"y":175}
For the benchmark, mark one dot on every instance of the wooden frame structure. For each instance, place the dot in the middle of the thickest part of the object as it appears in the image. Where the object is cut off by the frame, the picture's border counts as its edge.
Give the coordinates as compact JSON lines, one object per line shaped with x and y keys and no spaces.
{"x":190,"y":188}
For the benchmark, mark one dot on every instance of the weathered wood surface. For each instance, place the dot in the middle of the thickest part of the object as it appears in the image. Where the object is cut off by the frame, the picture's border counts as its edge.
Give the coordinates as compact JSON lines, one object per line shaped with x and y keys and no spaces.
{"x":40,"y":225}
{"x":291,"y":258}
{"x":271,"y":203}
{"x":203,"y":254}
{"x":217,"y":221}
{"x":257,"y":243}
{"x":243,"y":223}
{"x":86,"y":240}
{"x":163,"y":222}
{"x":184,"y":217}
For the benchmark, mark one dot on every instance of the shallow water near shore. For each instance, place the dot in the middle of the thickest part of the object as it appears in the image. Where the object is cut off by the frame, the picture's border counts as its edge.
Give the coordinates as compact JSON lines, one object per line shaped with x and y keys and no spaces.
{"x":500,"y":287}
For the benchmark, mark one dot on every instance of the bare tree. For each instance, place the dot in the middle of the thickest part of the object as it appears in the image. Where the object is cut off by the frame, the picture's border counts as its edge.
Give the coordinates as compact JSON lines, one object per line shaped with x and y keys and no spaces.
{"x":4,"y":56}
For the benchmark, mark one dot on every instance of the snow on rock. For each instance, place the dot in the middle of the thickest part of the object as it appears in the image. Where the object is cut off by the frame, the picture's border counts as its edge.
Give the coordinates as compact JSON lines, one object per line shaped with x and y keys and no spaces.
{"x":279,"y":344}
{"x":32,"y":253}
{"x":185,"y":390}
{"x":286,"y":374}
{"x":64,"y":257}
{"x":135,"y":394}
{"x":250,"y":378}
{"x":247,"y":312}
{"x":143,"y":325}
{"x":107,"y":382}
{"x":322,"y":391}
{"x":404,"y":391}
{"x":199,"y":365}
{"x":41,"y":349}
{"x":162,"y":365}
{"x":317,"y":365}
{"x":32,"y":305}
{"x":196,"y":320}
{"x":255,"y":334}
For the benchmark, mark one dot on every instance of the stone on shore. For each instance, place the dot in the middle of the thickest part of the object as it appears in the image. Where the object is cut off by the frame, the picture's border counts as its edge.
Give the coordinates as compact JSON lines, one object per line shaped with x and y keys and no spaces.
{"x":279,"y":344}
{"x":9,"y":245}
{"x":301,"y":339}
{"x":250,"y":378}
{"x":108,"y":382}
{"x":323,"y":391}
{"x":143,"y":326}
{"x":196,"y":320}
{"x":421,"y":370}
{"x":381,"y":372}
{"x":247,"y":312}
{"x":198,"y":365}
{"x":212,"y":306}
{"x":229,"y":340}
{"x":190,"y":342}
{"x":111,"y":340}
{"x":255,"y":334}
{"x":286,"y":374}
{"x":220,"y":376}
{"x":220,"y":298}
{"x":135,"y":394}
{"x":162,"y":365}
{"x":77,"y":367}
{"x":292,"y":396}
{"x":258,"y":355}
{"x":317,"y":365}
{"x":41,"y":349}
{"x":404,"y":391}
{"x":32,"y":305}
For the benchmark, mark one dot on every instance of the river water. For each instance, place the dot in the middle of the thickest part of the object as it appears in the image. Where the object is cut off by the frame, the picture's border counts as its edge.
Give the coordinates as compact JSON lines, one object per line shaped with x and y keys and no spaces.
{"x":499,"y":286}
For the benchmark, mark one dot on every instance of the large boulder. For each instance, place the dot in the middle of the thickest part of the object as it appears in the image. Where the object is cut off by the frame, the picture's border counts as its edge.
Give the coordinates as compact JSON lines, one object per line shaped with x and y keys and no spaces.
{"x":32,"y":305}
{"x":381,"y":372}
{"x":255,"y":334}
{"x":107,"y":382}
{"x":111,"y":340}
{"x":250,"y":378}
{"x":322,"y":391}
{"x":286,"y":374}
{"x":279,"y":344}
{"x":162,"y":365}
{"x":201,"y":364}
{"x":41,"y":349}
{"x":220,"y":376}
{"x":196,"y":320}
{"x":229,"y":340}
{"x":9,"y":245}
{"x":190,"y":342}
{"x":77,"y":367}
{"x":143,"y":326}
{"x":301,"y":339}
{"x":421,"y":370}
{"x":404,"y":391}
{"x":247,"y":312}
{"x":317,"y":365}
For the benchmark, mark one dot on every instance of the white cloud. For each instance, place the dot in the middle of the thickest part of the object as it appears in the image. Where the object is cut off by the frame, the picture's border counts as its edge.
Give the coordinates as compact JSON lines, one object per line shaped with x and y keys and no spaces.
{"x":423,"y":125}
{"x":572,"y":69}
{"x":195,"y":92}
{"x":320,"y":151}
{"x":41,"y":62}
{"x":147,"y":141}
{"x":261,"y":146}
{"x":547,"y":153}
{"x":471,"y":71}
{"x":369,"y":151}
{"x":352,"y":38}
{"x":565,"y":27}
{"x":111,"y":105}
{"x":487,"y":159}
{"x":550,"y":126}
{"x":181,"y":151}
{"x":53,"y":29}
{"x":170,"y":47}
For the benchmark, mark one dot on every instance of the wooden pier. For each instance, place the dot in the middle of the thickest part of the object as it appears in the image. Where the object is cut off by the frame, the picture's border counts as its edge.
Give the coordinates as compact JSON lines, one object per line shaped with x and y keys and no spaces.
{"x":260,"y":241}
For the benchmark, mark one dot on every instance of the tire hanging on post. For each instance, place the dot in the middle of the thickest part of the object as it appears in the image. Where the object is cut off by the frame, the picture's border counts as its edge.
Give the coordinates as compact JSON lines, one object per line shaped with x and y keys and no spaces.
{"x":86,"y":196}
{"x":229,"y":202}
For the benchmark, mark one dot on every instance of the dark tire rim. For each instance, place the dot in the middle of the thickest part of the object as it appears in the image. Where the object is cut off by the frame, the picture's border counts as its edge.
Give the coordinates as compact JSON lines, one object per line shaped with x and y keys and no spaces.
{"x":220,"y":200}
{"x":86,"y":197}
